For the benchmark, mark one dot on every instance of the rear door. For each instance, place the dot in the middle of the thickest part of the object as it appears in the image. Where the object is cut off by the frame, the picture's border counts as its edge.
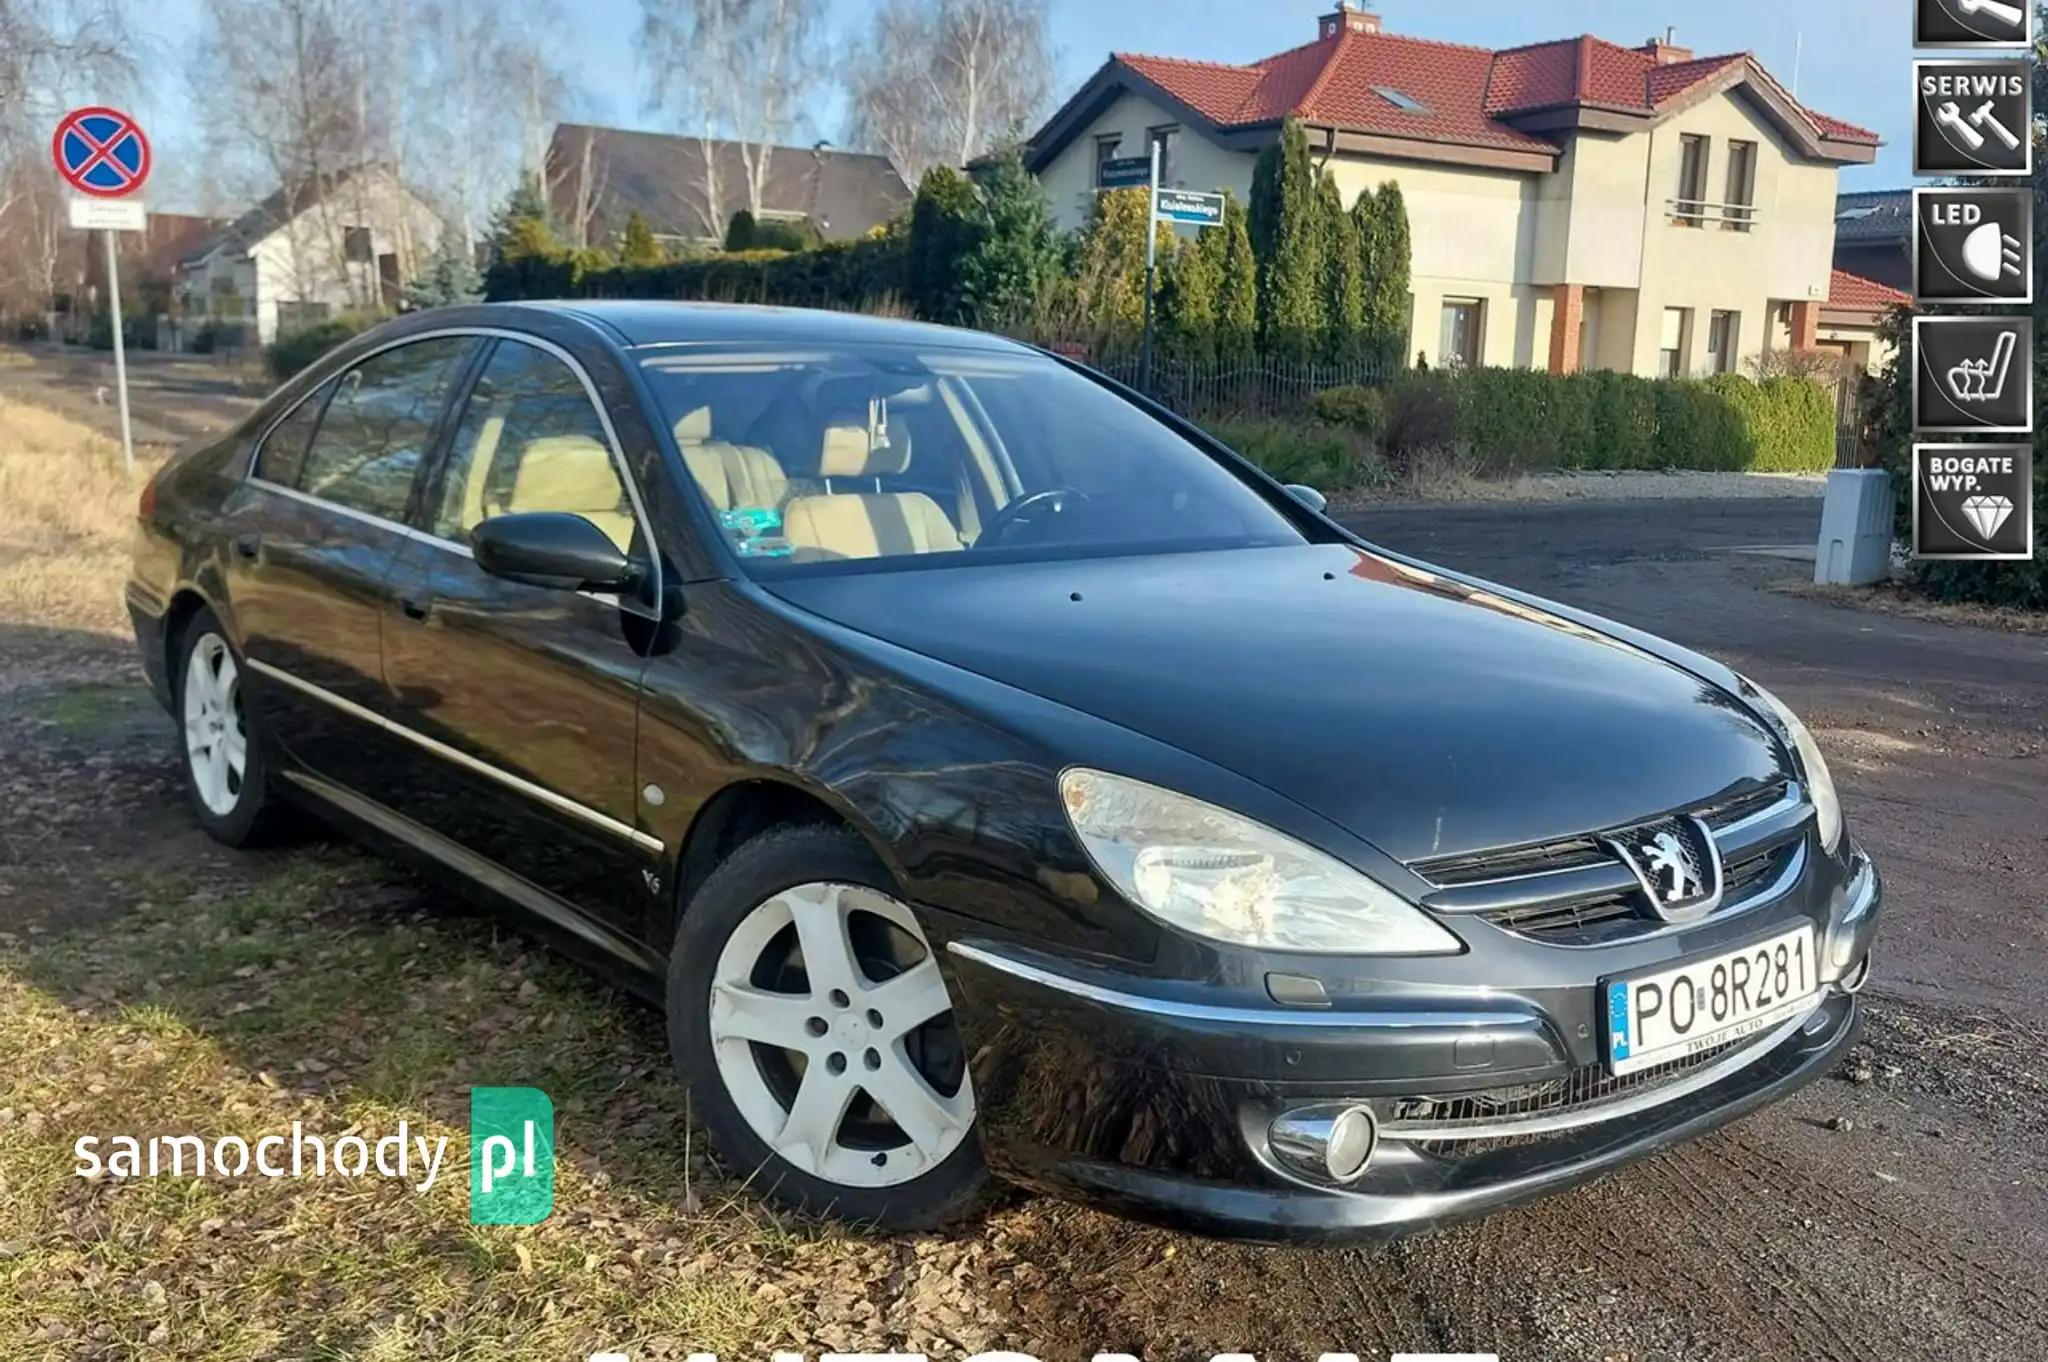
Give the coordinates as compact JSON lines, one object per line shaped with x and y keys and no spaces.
{"x":313,"y":534}
{"x":528,"y":697}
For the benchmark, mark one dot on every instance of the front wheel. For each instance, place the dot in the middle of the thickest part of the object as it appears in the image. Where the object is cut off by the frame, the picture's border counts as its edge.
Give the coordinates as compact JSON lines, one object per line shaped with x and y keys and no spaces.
{"x":810,"y":1020}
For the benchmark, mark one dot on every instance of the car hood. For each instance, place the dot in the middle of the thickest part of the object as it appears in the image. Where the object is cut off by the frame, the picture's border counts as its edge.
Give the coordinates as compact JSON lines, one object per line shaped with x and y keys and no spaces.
{"x":1426,"y":715}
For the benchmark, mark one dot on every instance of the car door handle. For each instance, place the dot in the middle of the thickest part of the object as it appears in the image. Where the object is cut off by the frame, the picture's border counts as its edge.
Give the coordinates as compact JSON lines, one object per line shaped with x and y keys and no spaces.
{"x":416,"y":608}
{"x":247,"y":546}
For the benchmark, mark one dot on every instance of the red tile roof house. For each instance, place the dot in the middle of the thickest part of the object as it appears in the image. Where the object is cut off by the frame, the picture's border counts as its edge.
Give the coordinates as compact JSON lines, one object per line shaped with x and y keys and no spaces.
{"x":1574,"y":204}
{"x":1849,"y":320}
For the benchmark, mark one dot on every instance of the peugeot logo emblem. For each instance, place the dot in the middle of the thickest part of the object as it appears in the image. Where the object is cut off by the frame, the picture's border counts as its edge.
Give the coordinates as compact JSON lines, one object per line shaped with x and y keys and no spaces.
{"x":1676,"y":863}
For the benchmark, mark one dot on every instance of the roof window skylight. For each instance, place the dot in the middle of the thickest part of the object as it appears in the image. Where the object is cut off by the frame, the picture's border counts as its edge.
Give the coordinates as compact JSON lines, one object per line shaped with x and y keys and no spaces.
{"x":1405,"y":103}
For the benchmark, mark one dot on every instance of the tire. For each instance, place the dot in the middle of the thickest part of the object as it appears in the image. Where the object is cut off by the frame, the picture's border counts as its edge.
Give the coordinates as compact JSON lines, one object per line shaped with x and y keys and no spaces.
{"x":221,"y":752}
{"x":758,"y":1029}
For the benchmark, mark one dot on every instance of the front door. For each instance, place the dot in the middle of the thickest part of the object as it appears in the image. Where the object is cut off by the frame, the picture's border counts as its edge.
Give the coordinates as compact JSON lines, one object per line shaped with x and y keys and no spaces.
{"x":313,"y":533}
{"x":528,"y":697}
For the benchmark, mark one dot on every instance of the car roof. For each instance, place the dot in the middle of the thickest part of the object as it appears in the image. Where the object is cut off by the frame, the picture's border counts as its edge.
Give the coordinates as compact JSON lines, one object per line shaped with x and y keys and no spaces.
{"x":647,"y":322}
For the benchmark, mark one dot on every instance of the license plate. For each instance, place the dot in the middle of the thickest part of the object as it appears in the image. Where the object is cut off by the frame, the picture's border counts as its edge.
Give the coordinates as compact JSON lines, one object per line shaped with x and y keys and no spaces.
{"x":1657,"y":1018}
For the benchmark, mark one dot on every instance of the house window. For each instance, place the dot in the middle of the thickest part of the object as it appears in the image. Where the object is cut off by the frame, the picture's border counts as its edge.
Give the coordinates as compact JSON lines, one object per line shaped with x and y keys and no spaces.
{"x":1689,"y":209}
{"x":1723,"y":329}
{"x":1458,"y":346}
{"x":1671,"y":347}
{"x":355,"y":245}
{"x":1740,"y":209}
{"x":1164,"y":138}
{"x":1105,"y":152}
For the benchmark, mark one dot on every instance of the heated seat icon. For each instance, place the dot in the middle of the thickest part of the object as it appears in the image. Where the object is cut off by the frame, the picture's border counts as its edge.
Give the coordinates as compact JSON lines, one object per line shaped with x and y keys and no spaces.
{"x":1973,"y":374}
{"x":1973,"y":245}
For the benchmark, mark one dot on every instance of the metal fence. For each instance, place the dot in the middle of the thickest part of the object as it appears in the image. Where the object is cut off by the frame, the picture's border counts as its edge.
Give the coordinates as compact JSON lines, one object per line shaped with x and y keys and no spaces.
{"x":1257,"y":387}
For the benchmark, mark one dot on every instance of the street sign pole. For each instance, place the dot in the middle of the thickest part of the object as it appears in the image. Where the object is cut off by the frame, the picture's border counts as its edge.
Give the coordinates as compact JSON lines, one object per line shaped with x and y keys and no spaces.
{"x":120,"y":353}
{"x":102,"y":154}
{"x":1151,"y":262}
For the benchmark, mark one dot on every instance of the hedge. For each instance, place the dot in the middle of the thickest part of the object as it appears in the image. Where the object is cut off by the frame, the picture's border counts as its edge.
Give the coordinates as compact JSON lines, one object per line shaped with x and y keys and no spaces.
{"x":286,"y":357}
{"x":1525,"y":418}
{"x":843,"y":275}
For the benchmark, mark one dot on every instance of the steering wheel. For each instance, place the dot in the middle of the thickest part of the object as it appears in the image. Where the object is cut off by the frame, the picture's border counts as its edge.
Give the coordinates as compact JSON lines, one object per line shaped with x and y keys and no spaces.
{"x":1017,"y":512}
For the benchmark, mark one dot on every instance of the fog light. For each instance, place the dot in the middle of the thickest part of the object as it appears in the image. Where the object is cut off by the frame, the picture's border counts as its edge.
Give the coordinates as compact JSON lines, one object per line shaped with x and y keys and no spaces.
{"x":1327,"y":1143}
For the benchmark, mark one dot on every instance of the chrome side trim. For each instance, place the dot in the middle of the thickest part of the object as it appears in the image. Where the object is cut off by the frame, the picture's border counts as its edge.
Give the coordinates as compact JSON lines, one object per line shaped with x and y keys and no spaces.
{"x":336,"y":508}
{"x":1240,"y":1016}
{"x":559,"y":803}
{"x":486,"y":872}
{"x":1626,"y":1106}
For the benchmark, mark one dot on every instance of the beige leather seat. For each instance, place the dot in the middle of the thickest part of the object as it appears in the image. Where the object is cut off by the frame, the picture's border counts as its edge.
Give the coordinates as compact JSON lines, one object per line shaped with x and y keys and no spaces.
{"x":573,"y":473}
{"x":732,"y":476}
{"x":865,"y":524}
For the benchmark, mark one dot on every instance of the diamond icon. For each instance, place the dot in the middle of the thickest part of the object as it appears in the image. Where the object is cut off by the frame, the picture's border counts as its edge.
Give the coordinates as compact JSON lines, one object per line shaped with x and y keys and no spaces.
{"x":1987,"y":513}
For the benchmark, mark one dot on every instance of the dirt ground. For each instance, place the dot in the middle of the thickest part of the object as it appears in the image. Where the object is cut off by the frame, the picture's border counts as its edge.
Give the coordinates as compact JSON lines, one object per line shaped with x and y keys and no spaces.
{"x":172,"y":399}
{"x":1897,"y":1210}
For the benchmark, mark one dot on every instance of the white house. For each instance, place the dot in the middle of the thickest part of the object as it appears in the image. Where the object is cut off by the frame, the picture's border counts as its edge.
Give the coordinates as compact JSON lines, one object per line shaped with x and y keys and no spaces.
{"x":1573,"y":204}
{"x":312,"y":249}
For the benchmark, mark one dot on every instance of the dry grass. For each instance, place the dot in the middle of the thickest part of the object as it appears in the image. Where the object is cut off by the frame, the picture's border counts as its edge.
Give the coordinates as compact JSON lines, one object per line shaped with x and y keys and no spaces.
{"x":67,"y":510}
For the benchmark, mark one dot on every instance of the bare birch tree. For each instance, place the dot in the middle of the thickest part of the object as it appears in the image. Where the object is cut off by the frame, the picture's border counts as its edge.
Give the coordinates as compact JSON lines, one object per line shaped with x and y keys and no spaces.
{"x":939,"y":82}
{"x":738,"y":70}
{"x":51,"y":51}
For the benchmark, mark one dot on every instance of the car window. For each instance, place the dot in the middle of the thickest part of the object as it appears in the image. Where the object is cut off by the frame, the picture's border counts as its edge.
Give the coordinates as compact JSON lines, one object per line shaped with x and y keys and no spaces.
{"x":898,"y":455}
{"x":378,"y":423}
{"x":283,"y":454}
{"x":530,"y":440}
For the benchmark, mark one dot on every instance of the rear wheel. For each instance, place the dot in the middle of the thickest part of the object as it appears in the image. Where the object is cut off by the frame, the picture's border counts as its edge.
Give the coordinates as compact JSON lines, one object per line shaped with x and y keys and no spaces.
{"x":224,"y":765}
{"x":811,"y":1022}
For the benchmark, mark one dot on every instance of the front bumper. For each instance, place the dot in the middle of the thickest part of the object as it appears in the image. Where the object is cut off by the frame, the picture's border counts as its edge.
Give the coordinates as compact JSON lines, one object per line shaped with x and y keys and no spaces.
{"x":1160,"y":1108}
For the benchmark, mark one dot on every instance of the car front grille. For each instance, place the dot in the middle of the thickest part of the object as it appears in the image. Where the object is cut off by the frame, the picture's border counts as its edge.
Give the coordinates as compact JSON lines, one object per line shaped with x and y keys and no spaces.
{"x":1575,"y":892}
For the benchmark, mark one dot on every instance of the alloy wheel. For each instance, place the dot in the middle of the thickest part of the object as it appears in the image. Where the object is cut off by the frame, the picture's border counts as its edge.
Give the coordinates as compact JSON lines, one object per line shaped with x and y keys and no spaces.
{"x":216,"y":734}
{"x":832,"y":1031}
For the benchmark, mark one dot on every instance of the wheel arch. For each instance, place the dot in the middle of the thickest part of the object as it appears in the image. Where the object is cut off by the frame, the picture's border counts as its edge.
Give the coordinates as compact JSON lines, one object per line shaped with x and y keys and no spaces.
{"x":187,"y":601}
{"x":743,"y":810}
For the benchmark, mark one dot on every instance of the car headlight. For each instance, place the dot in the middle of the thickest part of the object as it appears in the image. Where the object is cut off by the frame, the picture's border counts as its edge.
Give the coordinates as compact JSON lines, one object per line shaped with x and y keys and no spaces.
{"x":1820,"y":784}
{"x":1208,"y":871}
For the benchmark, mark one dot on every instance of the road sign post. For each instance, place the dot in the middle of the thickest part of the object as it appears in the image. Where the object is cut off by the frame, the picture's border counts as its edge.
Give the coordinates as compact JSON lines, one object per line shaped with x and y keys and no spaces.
{"x":102,"y":154}
{"x":1151,"y":263}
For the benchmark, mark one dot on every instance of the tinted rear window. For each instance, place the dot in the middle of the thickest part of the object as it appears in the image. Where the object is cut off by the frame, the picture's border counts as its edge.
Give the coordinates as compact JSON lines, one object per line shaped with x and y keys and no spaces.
{"x":368,"y":448}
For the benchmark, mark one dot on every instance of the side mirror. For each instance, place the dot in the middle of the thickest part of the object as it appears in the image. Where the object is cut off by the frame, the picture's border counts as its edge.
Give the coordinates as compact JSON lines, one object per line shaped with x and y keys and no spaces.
{"x":1308,"y":496}
{"x":551,"y":549}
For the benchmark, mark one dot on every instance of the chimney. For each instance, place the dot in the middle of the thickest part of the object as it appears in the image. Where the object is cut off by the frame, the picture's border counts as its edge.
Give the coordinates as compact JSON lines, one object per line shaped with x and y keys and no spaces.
{"x":1347,"y":18}
{"x":1664,"y":51}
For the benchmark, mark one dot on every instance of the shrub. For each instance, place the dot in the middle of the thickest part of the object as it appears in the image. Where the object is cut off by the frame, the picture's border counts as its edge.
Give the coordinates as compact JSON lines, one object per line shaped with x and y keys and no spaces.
{"x":1788,"y":424}
{"x":1525,"y":418}
{"x":1622,"y":410}
{"x":286,"y":357}
{"x":1328,"y":458}
{"x":1422,"y":415}
{"x":1356,"y":408}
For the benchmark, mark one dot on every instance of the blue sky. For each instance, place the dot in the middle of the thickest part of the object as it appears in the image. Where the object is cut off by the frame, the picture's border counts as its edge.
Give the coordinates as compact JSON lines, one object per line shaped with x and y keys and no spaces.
{"x":1855,"y":62}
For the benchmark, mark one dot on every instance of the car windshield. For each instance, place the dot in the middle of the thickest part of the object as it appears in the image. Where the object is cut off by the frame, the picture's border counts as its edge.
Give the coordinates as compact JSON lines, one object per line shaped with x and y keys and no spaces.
{"x":895,"y":456}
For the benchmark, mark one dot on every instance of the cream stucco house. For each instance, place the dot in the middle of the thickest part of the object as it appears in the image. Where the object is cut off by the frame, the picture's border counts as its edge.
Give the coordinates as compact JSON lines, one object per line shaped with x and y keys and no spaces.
{"x":1574,"y":204}
{"x":317,"y":247}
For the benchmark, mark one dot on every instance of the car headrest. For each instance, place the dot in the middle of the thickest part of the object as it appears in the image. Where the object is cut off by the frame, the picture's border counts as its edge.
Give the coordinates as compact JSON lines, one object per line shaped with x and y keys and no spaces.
{"x":693,"y":427}
{"x":848,"y":453}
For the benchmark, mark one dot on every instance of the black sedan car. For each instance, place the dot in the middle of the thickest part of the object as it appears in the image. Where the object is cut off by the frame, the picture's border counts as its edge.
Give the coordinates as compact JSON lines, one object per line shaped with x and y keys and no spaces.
{"x":992,"y":774}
